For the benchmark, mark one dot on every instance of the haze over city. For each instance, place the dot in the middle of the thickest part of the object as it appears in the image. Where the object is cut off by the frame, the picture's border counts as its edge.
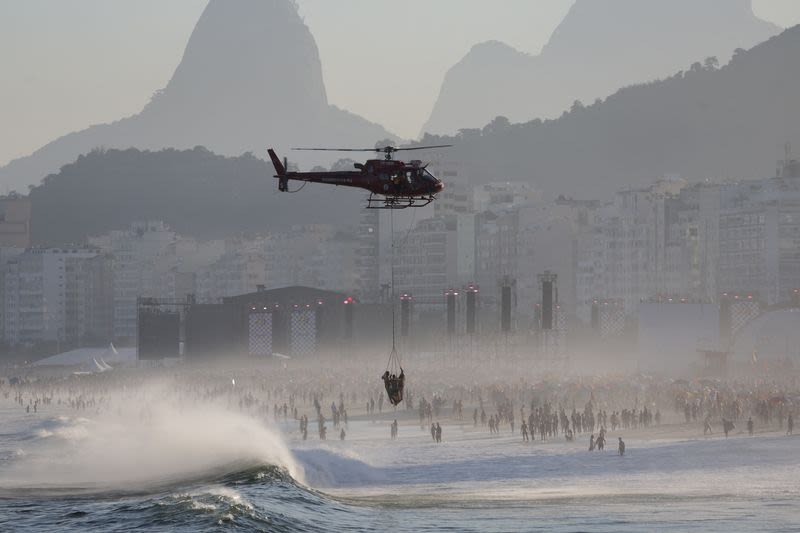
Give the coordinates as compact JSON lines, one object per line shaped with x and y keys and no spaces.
{"x":53,"y":84}
{"x":305,"y":265}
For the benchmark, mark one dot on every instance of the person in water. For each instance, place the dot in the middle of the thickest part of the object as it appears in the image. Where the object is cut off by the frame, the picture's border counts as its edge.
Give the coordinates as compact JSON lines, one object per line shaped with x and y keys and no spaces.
{"x":727,"y":426}
{"x":621,"y":447}
{"x":600,"y":442}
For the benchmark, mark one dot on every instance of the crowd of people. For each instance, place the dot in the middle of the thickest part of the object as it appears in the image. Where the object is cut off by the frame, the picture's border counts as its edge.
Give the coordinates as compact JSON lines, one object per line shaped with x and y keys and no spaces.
{"x":543,"y":409}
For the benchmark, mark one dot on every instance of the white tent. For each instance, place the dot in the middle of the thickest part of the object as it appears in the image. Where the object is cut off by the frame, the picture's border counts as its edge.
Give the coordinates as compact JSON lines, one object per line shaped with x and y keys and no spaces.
{"x":91,"y":359}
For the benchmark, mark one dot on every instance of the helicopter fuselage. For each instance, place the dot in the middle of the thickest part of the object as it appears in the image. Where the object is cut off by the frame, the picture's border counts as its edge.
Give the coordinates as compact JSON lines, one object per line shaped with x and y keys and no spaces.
{"x":388,"y":178}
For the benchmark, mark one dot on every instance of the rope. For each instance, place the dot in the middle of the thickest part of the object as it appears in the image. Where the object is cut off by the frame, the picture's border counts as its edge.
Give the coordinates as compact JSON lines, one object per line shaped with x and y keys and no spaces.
{"x":391,"y":226}
{"x":394,"y":359}
{"x":393,"y":364}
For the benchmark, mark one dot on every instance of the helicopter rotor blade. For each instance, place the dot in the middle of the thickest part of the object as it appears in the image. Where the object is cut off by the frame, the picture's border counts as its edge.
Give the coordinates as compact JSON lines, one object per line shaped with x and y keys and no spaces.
{"x":384,"y":149}
{"x":341,"y":149}
{"x":422,"y":147}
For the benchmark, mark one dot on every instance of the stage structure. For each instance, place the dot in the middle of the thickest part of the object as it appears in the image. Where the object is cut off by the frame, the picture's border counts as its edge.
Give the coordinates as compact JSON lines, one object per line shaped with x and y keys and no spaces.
{"x":508,"y":287}
{"x":471,"y":343}
{"x":260,"y":332}
{"x":736,"y":310}
{"x":405,"y":314}
{"x":552,"y":318}
{"x":294,"y":321}
{"x":608,"y":317}
{"x":159,"y":327}
{"x":472,"y":309}
{"x":304,"y":330}
{"x":450,"y":296}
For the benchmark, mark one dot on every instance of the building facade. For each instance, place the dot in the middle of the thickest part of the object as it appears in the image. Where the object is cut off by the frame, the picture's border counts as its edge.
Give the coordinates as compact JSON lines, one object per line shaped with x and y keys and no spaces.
{"x":58,"y":295}
{"x":15,"y":221}
{"x":136,"y":252}
{"x":759,"y":238}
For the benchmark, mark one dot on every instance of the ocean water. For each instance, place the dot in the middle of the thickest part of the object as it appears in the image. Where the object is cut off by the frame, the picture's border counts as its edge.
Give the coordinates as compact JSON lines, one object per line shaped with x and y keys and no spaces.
{"x":219,"y":471}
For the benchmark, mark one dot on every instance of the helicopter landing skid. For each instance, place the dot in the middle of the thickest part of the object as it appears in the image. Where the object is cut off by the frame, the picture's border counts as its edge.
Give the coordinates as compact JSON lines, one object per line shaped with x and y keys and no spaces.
{"x":397,"y":202}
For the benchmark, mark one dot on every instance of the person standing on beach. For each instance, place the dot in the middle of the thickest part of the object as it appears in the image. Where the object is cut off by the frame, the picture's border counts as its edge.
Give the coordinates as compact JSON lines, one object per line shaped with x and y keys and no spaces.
{"x":621,"y":447}
{"x":600,"y":442}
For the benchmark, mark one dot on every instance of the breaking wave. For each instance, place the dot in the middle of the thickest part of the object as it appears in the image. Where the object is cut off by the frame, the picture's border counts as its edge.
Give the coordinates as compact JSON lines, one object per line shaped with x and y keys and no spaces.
{"x":123,"y":452}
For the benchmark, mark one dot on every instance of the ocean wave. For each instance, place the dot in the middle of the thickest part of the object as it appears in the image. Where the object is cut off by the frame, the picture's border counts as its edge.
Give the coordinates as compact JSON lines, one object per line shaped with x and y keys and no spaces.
{"x":123,"y":454}
{"x":238,"y":473}
{"x":325,"y":468}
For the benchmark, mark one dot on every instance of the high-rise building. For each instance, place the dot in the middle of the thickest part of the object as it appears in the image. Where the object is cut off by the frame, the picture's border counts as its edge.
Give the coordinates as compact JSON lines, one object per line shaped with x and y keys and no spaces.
{"x":651,"y":241}
{"x":136,"y":252}
{"x":6,"y":253}
{"x":57,"y":294}
{"x":495,"y":252}
{"x":456,"y":198}
{"x":759,"y":238}
{"x":367,"y":256}
{"x":426,"y":262}
{"x":15,"y":221}
{"x":237,"y":272}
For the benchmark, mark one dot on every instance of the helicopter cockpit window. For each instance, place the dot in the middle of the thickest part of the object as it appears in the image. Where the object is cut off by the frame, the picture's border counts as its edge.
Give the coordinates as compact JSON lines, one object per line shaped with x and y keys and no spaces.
{"x":427,"y":176}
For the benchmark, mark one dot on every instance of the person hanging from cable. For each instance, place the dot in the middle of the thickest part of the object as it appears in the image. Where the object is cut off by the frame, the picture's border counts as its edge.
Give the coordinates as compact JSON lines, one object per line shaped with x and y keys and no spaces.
{"x":401,"y":383}
{"x":394,"y":386}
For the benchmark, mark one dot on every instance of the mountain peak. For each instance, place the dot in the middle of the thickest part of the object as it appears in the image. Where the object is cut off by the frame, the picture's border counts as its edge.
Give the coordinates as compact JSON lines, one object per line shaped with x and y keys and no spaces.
{"x":250,"y":77}
{"x":598,"y":48}
{"x":713,"y":122}
{"x":492,"y":47}
{"x":489,"y":53}
{"x":251,"y":50}
{"x":597,"y":28}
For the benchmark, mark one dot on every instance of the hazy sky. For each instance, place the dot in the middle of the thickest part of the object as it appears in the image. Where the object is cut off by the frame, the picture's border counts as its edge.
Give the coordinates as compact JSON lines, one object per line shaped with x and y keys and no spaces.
{"x":66,"y":64}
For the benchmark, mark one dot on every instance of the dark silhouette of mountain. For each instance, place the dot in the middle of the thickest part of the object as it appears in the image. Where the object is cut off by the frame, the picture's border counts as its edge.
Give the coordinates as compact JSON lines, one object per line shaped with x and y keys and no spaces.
{"x":250,"y":78}
{"x":196,"y":192}
{"x":600,"y":46}
{"x":706,"y":122}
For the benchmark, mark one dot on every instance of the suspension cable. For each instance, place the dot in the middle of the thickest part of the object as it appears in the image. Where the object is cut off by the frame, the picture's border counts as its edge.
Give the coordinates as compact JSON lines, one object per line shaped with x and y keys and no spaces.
{"x":391,"y":226}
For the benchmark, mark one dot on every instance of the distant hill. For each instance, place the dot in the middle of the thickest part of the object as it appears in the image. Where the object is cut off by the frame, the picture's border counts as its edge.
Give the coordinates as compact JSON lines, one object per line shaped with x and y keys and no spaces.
{"x":250,"y":78}
{"x":196,"y":192}
{"x":706,"y":122}
{"x":600,"y":46}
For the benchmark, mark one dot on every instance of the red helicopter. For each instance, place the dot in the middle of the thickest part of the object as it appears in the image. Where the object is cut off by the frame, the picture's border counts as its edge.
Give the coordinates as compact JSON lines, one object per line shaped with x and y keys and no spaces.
{"x":392,"y":184}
